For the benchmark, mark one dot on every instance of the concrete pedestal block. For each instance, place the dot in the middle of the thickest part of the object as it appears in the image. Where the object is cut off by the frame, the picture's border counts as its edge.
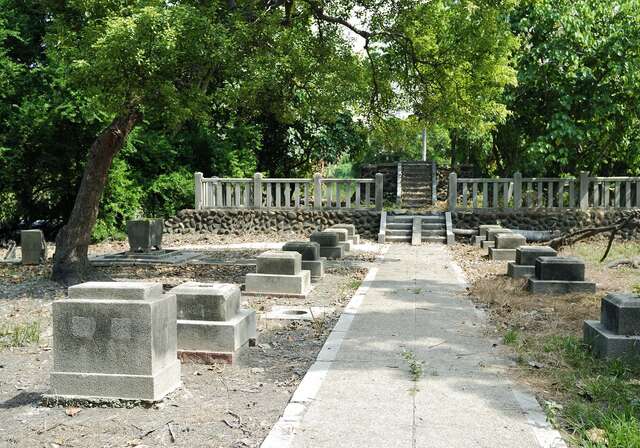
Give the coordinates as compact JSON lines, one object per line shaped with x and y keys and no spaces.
{"x":352,"y":234}
{"x":315,"y":268}
{"x":34,"y":247}
{"x":343,"y":234}
{"x":477,"y":240}
{"x":491,"y":233}
{"x":308,"y":250}
{"x":515,"y":270}
{"x":279,"y":262}
{"x":502,"y":254}
{"x":620,"y":314}
{"x":527,"y":255}
{"x":560,"y":268}
{"x":115,"y":340}
{"x":346,"y":245}
{"x":325,"y":239}
{"x":509,"y":241}
{"x":606,"y":344}
{"x":210,"y":338}
{"x":487,"y":244}
{"x":332,"y":253}
{"x":145,"y":234}
{"x":356,"y":239}
{"x":207,"y":301}
{"x":484,"y":228}
{"x":536,"y":286}
{"x":297,"y":285}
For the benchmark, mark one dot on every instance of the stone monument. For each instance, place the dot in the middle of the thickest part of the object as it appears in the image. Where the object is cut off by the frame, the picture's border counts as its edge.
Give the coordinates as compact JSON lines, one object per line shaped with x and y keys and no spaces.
{"x":145,"y":234}
{"x":279,"y":273}
{"x":617,"y":334}
{"x":505,"y":246}
{"x":115,"y":340}
{"x":329,"y":244}
{"x":311,"y":259}
{"x":525,"y":264}
{"x":491,"y":234}
{"x":559,"y":275}
{"x":482,"y":233}
{"x":34,"y":247}
{"x":352,"y":234}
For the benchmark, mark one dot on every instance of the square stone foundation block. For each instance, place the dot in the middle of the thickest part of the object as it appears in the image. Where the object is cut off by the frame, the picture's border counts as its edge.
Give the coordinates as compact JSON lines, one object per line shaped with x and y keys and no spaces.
{"x":515,"y":270}
{"x":212,"y":338}
{"x":325,"y":239}
{"x":502,"y":254}
{"x":34,"y":247}
{"x":356,"y":239}
{"x":527,"y":255}
{"x":477,"y":240}
{"x":484,"y":228}
{"x":560,"y":268}
{"x":315,"y":267}
{"x":346,"y":245}
{"x":491,"y":233}
{"x":145,"y":234}
{"x":343,"y":234}
{"x":620,"y":314}
{"x":559,"y":286}
{"x":350,"y":228}
{"x":207,"y":301}
{"x":606,"y":344}
{"x":308,"y":250}
{"x":332,"y":253}
{"x":509,"y":241}
{"x":487,"y":244}
{"x":279,"y":262}
{"x":297,"y":285}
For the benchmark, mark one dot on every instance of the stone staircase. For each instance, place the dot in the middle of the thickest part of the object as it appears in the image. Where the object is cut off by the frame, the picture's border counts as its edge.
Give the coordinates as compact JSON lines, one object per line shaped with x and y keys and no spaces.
{"x":416,"y":184}
{"x":399,"y":228}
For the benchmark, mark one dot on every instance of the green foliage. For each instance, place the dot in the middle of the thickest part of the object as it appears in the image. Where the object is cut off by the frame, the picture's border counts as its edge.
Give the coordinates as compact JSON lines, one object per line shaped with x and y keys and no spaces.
{"x":169,"y":193}
{"x":511,"y":337}
{"x":19,"y":335}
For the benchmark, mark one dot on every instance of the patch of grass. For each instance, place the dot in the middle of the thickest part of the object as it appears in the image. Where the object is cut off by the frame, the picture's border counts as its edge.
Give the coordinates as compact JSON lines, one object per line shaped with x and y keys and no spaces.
{"x":20,"y":335}
{"x":592,"y":251}
{"x":354,"y":283}
{"x":636,"y":289}
{"x":510,"y":337}
{"x":416,"y":368}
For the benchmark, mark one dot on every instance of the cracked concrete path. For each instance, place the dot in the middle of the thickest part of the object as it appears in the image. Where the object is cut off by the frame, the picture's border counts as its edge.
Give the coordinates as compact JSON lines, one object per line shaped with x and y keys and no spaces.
{"x":360,"y":392}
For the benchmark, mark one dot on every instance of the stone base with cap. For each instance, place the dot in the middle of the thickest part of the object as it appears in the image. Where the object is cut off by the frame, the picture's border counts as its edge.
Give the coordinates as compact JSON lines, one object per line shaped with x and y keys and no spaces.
{"x":352,"y":234}
{"x":145,"y":235}
{"x":329,"y":245}
{"x":559,"y":275}
{"x":311,"y":259}
{"x":114,"y":340}
{"x":505,"y":246}
{"x":211,"y":325}
{"x":524,"y":264}
{"x":279,"y":273}
{"x":617,"y":334}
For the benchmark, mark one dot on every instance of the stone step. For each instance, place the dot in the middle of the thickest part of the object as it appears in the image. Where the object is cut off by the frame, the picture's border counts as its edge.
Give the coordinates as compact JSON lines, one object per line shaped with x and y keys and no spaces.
{"x":399,"y":226}
{"x":399,"y":218}
{"x":426,"y":225}
{"x":434,"y":239}
{"x":397,"y":239}
{"x":427,"y":233}
{"x":392,"y":232}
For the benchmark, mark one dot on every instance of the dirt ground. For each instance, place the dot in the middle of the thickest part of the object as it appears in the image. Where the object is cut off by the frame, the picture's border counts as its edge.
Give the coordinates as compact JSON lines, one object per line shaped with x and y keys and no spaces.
{"x":510,"y":307}
{"x":218,"y":405}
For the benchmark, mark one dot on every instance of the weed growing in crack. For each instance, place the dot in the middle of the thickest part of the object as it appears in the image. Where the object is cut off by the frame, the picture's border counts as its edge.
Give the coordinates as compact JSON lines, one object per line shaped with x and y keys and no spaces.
{"x":415,"y":366}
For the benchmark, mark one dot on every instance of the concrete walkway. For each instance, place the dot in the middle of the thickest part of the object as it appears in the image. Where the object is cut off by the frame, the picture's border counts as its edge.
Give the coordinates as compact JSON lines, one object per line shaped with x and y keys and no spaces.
{"x":360,"y":392}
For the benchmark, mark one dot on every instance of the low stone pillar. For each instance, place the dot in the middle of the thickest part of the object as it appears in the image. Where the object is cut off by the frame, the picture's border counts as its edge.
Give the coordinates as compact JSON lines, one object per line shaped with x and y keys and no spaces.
{"x":279,"y":273}
{"x":559,"y":275}
{"x":491,"y":234}
{"x":505,"y":246}
{"x":311,"y":259}
{"x":343,"y":238}
{"x":352,"y":233}
{"x":329,"y":244}
{"x":524,"y":265}
{"x":34,"y":247}
{"x":145,"y":234}
{"x":115,"y":340}
{"x":211,"y":325}
{"x":617,"y":334}
{"x":482,"y":233}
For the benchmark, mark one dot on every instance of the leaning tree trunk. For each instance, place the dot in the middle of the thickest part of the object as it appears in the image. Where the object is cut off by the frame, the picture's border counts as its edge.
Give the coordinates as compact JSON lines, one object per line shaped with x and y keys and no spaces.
{"x":70,"y":261}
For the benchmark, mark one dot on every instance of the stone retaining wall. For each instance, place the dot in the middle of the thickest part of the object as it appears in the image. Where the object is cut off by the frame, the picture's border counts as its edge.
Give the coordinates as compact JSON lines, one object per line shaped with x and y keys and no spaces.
{"x":553,"y":220}
{"x":236,"y":222}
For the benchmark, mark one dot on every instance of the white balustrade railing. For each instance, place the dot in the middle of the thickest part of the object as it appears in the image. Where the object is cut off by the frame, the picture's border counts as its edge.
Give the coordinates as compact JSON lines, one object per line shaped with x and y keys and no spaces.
{"x":278,"y":193}
{"x":543,"y":193}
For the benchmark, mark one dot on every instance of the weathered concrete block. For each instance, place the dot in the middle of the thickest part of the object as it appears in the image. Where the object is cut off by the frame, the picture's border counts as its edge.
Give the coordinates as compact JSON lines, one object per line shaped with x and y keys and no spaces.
{"x":120,"y":344}
{"x":487,"y":244}
{"x":209,"y":337}
{"x":484,"y":228}
{"x":315,"y":267}
{"x":560,"y":268}
{"x":502,"y":254}
{"x":477,"y":240}
{"x":350,"y":228}
{"x":325,"y":239}
{"x":509,"y":241}
{"x":536,"y":286}
{"x":346,"y":245}
{"x":606,"y":344}
{"x":491,"y":233}
{"x":332,"y":253}
{"x":34,"y":247}
{"x":515,"y":270}
{"x":527,"y":255}
{"x":145,"y":234}
{"x":279,"y":262}
{"x":620,"y":314}
{"x":309,"y":250}
{"x":356,"y":239}
{"x":297,"y":285}
{"x":207,"y":301}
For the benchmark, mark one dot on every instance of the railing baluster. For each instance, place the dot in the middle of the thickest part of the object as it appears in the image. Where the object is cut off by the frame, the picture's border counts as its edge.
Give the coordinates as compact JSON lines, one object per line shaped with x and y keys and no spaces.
{"x":505,"y":194}
{"x":227,"y":191}
{"x":638,"y":193}
{"x":606,"y":194}
{"x":367,"y":194}
{"x":572,"y":194}
{"x":464,"y":195}
{"x":278,"y":194}
{"x":296,"y":194}
{"x":549,"y":194}
{"x":485,"y":195}
{"x":617,"y":194}
{"x":306,"y":195}
{"x":287,"y":194}
{"x":236,"y":191}
{"x":348,"y":194}
{"x":596,"y":193}
{"x":358,"y":192}
{"x":338,"y":201}
{"x":495,"y":186}
{"x":627,"y":194}
{"x":329,"y":194}
{"x":269,"y":186}
{"x":528,"y":194}
{"x":474,"y":194}
{"x":561,"y":187}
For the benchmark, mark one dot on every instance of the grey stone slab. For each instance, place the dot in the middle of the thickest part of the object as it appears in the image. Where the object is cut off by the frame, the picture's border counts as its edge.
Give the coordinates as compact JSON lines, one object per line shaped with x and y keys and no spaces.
{"x":315,"y":267}
{"x":620,"y":314}
{"x":484,"y":228}
{"x":356,"y":239}
{"x":477,"y":240}
{"x":527,"y":255}
{"x":350,"y":228}
{"x":115,"y":290}
{"x":294,"y":285}
{"x":309,"y":250}
{"x":325,"y":239}
{"x":217,"y":337}
{"x":606,"y":344}
{"x":145,"y":234}
{"x":332,"y":253}
{"x":560,"y":268}
{"x":487,"y":244}
{"x":502,"y":254}
{"x":34,"y":247}
{"x":536,"y":286}
{"x":343,"y":235}
{"x":279,"y":262}
{"x":491,"y":233}
{"x":207,"y":301}
{"x":515,"y":270}
{"x":509,"y":241}
{"x":346,"y":245}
